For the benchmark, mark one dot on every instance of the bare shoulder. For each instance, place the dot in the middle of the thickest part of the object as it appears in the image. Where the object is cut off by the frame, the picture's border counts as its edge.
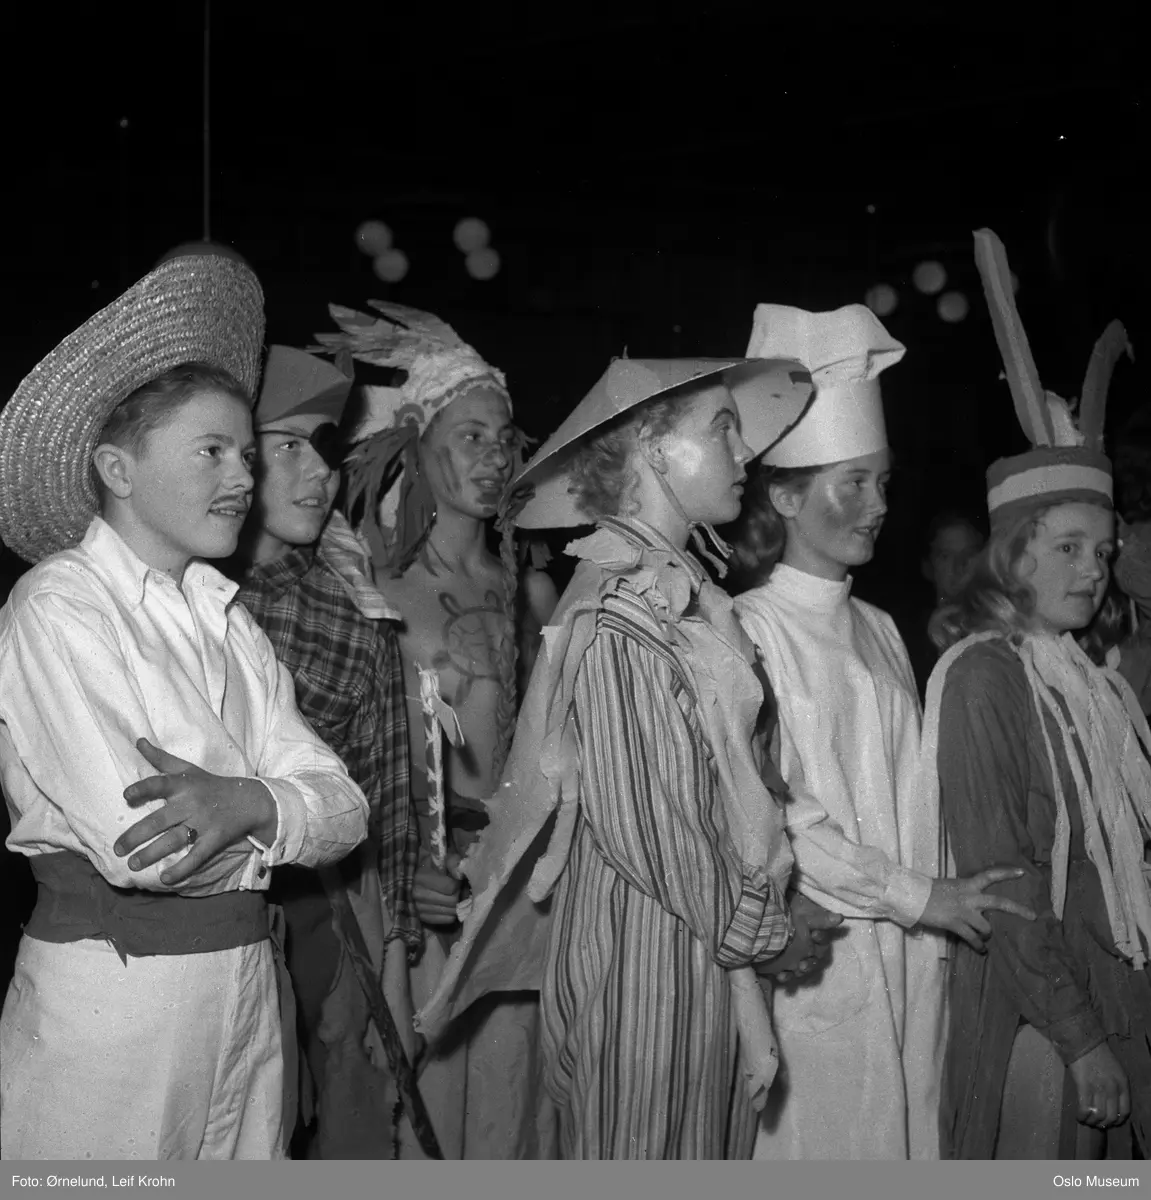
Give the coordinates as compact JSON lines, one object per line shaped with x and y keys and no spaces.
{"x":391,"y":586}
{"x":541,"y":595}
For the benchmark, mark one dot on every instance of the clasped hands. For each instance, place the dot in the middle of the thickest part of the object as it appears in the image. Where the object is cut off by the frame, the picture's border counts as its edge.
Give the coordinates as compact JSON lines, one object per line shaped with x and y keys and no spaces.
{"x":809,"y":949}
{"x":203,"y":813}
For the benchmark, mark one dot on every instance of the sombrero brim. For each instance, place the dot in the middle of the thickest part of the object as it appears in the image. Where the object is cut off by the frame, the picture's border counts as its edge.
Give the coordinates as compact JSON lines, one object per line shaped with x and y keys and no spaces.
{"x":205,"y":309}
{"x":771,"y":396}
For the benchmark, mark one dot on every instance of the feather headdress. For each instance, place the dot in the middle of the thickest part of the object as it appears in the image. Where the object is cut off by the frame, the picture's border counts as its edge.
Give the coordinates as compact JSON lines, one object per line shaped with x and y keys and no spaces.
{"x":438,"y":363}
{"x":386,"y":491}
{"x":1067,"y":461}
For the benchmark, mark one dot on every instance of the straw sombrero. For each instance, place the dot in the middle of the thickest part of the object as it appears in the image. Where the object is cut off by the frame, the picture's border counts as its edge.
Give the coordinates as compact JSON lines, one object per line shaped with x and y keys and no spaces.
{"x":771,"y":395}
{"x":206,"y":309}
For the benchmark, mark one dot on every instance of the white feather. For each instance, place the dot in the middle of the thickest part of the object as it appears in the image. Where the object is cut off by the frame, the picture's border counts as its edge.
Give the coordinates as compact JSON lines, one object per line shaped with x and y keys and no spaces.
{"x":1063,"y":421}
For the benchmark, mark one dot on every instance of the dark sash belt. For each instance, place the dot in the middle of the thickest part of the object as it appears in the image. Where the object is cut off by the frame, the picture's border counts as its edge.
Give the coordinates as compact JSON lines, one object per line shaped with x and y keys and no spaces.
{"x":74,"y":902}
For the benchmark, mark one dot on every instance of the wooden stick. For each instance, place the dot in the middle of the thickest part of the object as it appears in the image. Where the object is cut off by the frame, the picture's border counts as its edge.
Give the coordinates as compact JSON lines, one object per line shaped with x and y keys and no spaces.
{"x":434,"y":758}
{"x":439,"y":719}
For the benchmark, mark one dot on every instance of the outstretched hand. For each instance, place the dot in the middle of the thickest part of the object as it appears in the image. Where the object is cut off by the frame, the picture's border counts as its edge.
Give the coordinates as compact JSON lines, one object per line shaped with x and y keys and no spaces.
{"x":203,"y":814}
{"x":810,"y":944}
{"x":958,"y":905}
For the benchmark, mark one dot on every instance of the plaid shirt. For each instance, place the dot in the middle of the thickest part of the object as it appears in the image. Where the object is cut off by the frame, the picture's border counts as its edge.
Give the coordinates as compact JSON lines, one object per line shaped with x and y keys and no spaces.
{"x":349,"y":685}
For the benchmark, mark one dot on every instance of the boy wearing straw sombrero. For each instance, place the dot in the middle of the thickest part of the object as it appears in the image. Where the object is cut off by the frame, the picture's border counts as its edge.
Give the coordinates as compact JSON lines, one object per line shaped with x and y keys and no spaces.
{"x":152,"y":755}
{"x":305,"y":578}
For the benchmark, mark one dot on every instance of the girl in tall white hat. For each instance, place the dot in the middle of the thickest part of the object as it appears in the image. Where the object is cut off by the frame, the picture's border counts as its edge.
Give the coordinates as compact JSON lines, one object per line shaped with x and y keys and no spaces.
{"x":1040,"y":752}
{"x":635,"y":866}
{"x":860,"y":1050}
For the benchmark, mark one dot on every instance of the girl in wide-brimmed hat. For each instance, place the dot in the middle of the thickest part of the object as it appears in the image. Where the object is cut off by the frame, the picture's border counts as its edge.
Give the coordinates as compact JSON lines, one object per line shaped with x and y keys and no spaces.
{"x":635,"y":865}
{"x":153,"y":758}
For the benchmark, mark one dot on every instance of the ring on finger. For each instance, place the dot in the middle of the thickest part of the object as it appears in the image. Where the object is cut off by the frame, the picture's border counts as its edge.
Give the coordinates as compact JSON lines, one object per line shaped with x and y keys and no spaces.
{"x":191,"y":835}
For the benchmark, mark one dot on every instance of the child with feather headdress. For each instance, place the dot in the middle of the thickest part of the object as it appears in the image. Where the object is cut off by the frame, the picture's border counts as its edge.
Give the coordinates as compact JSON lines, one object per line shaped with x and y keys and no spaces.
{"x":433,"y":456}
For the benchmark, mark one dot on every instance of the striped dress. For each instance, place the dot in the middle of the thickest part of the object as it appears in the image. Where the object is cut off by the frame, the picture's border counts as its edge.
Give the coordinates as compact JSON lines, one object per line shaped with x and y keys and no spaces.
{"x":640,"y":1037}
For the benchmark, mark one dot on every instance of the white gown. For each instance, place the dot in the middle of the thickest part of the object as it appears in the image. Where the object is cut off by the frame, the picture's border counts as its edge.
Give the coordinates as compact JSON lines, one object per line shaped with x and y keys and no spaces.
{"x":861,"y":1050}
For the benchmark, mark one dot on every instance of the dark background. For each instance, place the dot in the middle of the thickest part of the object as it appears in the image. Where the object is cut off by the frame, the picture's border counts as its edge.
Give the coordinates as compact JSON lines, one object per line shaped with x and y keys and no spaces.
{"x":649,"y":174}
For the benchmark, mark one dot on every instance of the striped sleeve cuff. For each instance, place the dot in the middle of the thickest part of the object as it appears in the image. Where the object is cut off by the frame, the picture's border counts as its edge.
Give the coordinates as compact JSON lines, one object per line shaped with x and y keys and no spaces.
{"x":759,"y":928}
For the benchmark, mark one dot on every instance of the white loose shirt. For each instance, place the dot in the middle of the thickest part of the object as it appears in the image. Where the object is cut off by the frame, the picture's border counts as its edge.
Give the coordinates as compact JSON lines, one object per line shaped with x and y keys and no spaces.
{"x":98,"y":650}
{"x":859,"y":1047}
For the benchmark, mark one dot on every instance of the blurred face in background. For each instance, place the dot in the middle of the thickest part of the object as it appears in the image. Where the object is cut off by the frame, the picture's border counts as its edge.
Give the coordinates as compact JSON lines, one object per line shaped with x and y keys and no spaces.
{"x":949,"y":557}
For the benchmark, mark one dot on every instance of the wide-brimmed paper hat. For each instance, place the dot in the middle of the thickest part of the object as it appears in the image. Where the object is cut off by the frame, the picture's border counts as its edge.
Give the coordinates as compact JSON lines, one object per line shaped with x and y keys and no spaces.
{"x":845,"y":351}
{"x":770,"y":395}
{"x":204,"y":309}
{"x":298,"y":382}
{"x":1067,"y":462}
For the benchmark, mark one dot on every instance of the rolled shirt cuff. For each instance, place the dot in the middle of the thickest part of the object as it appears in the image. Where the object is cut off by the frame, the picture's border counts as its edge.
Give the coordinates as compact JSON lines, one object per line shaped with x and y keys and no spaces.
{"x":291,"y":823}
{"x":1075,"y":1035}
{"x":906,"y":895}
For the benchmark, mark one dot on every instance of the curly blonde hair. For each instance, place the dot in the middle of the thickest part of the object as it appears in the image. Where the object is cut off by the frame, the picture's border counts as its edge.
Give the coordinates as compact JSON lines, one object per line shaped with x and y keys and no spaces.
{"x":603,"y":479}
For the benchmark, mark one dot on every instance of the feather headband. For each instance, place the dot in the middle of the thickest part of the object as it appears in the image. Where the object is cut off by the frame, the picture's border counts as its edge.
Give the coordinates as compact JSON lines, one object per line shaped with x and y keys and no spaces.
{"x":1067,"y":462}
{"x":438,"y":363}
{"x":386,"y":488}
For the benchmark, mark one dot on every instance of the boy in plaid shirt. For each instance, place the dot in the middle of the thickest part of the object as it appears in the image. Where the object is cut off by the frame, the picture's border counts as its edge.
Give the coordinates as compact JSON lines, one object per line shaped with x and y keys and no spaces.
{"x":350,"y":928}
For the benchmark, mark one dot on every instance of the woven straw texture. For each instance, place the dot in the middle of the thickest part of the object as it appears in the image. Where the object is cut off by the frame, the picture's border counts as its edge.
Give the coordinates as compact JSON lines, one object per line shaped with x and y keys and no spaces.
{"x":205,"y":309}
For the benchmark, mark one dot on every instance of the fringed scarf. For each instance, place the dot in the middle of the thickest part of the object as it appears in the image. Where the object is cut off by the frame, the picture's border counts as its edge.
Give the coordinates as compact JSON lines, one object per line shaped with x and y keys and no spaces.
{"x":1106,"y":743}
{"x":1095,"y":710}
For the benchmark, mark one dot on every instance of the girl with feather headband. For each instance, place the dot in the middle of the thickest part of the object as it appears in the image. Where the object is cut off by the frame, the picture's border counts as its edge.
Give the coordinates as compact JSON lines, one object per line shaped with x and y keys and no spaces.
{"x":1038,"y":750}
{"x":431,"y":461}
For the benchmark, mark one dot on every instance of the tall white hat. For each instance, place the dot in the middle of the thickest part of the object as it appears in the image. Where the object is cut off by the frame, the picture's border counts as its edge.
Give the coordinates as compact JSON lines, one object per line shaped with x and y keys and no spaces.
{"x":845,"y":351}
